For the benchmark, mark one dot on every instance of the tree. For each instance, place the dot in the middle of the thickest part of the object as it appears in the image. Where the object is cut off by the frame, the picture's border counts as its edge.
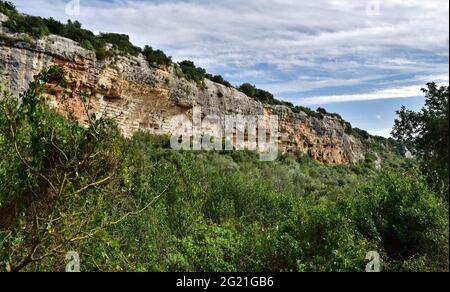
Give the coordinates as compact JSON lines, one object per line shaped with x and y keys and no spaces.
{"x":192,"y":72}
{"x":425,"y":133}
{"x":7,"y":7}
{"x":322,"y":111}
{"x":249,"y":90}
{"x":50,"y":172}
{"x":156,"y":57}
{"x":218,"y":79}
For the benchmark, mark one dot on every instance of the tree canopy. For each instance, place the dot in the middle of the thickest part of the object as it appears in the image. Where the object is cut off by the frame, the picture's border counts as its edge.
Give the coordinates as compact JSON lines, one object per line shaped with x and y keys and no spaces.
{"x":426,"y":134}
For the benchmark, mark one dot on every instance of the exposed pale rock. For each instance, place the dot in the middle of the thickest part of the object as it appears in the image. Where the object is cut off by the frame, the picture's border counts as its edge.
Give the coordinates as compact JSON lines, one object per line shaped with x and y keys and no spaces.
{"x":378,"y":162}
{"x":140,"y":97}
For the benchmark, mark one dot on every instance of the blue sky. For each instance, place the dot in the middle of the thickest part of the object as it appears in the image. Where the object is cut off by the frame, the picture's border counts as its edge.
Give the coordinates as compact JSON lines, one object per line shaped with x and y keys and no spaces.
{"x":360,"y":58}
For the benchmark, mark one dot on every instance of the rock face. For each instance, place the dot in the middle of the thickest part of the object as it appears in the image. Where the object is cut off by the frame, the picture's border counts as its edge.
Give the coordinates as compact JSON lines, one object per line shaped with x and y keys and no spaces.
{"x":140,"y":97}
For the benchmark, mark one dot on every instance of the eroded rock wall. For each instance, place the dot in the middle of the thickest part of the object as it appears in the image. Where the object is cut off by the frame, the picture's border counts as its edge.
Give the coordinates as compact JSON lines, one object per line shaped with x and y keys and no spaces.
{"x":140,"y":97}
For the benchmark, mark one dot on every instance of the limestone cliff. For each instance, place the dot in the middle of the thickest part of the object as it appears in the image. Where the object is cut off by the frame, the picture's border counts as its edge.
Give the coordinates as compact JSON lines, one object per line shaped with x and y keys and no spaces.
{"x":140,"y":97}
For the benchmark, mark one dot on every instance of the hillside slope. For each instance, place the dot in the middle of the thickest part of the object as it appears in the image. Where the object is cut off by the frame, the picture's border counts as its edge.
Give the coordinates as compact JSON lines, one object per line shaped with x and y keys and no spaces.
{"x":148,"y":98}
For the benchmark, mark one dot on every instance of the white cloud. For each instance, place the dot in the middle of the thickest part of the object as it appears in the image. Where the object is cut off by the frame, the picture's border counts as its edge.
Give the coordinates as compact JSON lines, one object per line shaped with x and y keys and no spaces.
{"x":381,"y":132}
{"x":306,"y":84}
{"x":404,"y":92}
{"x":335,"y":38}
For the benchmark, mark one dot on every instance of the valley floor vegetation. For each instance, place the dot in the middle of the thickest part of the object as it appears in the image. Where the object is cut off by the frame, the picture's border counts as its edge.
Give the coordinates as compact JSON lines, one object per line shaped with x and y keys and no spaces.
{"x":136,"y":205}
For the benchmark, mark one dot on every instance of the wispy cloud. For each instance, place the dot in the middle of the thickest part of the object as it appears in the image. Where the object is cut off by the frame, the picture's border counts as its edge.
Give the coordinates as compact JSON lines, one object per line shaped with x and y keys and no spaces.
{"x":327,"y":51}
{"x":381,"y":132}
{"x":289,"y":35}
{"x":307,"y":83}
{"x":391,"y":93}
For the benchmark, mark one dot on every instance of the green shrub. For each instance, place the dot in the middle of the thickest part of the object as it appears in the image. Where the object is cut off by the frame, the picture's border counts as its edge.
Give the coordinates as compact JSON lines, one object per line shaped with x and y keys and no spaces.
{"x":138,"y":205}
{"x":7,"y":7}
{"x":309,"y":112}
{"x":192,"y":72}
{"x":218,"y":79}
{"x":120,"y":42}
{"x":21,"y":23}
{"x":17,"y":40}
{"x":261,"y":95}
{"x":326,"y":241}
{"x":406,"y":219}
{"x":46,"y":172}
{"x":360,"y":133}
{"x":156,"y":57}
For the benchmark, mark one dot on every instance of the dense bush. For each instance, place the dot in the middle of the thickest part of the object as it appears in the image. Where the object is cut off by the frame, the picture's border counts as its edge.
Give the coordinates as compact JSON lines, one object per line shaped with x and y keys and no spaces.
{"x":309,"y":112}
{"x":24,"y":40}
{"x":74,"y":31}
{"x":156,"y":57}
{"x":262,"y":95}
{"x":192,"y":72}
{"x":426,"y":133}
{"x":49,"y":179}
{"x":405,"y":218}
{"x":360,"y":133}
{"x":23,"y":23}
{"x":135,"y":204}
{"x":268,"y":98}
{"x":121,"y":44}
{"x":229,"y":212}
{"x":258,"y":94}
{"x":218,"y":79}
{"x":7,"y":7}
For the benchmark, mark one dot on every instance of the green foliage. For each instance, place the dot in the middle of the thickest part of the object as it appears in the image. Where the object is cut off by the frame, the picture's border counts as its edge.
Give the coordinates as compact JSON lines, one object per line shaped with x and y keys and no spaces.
{"x":74,"y":31}
{"x":198,"y":75}
{"x":360,"y":133}
{"x":192,"y":72}
{"x":325,"y":239}
{"x":40,"y":27}
{"x":309,"y":112}
{"x":249,"y":90}
{"x":156,"y":57}
{"x":322,"y":111}
{"x":268,"y":98}
{"x":7,"y":7}
{"x":120,"y":42}
{"x":25,"y":24}
{"x":347,"y":127}
{"x":404,"y":217}
{"x":326,"y":113}
{"x":218,"y":79}
{"x":426,"y":133}
{"x":136,"y":205}
{"x":24,"y":40}
{"x":87,"y":45}
{"x":229,"y":212}
{"x":48,"y":175}
{"x":259,"y":94}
